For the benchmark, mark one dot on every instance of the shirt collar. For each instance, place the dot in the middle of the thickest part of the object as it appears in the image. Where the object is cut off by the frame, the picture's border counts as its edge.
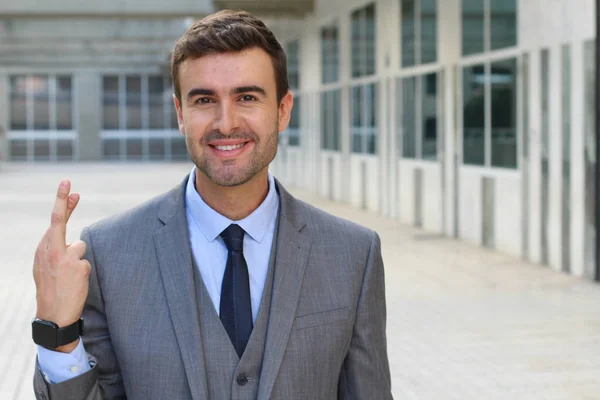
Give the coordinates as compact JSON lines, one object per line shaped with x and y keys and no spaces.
{"x":211,"y":223}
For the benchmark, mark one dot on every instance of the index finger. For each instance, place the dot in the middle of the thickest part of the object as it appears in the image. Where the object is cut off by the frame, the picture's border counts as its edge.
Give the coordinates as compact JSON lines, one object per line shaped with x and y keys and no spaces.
{"x":58,"y":219}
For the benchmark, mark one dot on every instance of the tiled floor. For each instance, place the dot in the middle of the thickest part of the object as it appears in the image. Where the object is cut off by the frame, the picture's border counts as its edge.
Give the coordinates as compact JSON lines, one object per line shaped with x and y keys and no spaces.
{"x":463,"y":322}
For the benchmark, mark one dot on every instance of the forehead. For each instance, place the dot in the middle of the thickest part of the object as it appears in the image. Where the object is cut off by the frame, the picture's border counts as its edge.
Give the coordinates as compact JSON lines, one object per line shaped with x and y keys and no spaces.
{"x":228,"y":70}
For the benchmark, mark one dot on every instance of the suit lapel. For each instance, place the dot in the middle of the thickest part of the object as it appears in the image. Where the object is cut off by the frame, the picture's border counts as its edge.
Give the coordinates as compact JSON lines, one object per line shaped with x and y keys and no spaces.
{"x":293,"y":249}
{"x":175,"y":260}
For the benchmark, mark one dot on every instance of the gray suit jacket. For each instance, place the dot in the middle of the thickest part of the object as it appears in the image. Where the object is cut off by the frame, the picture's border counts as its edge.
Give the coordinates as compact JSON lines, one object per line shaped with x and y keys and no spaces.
{"x":326,"y":332}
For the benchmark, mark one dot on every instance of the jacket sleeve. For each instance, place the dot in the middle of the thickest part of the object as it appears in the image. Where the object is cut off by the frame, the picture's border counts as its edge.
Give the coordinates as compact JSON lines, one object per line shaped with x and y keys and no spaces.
{"x":365,"y":373}
{"x":103,"y":380}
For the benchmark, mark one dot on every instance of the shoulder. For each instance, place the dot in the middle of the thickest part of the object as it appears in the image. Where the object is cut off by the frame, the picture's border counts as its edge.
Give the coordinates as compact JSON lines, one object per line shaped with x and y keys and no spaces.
{"x":332,"y":230}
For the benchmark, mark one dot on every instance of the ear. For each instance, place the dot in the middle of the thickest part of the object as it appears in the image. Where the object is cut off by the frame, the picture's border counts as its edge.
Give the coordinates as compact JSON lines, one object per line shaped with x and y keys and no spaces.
{"x":179,"y":114}
{"x":285,"y":110}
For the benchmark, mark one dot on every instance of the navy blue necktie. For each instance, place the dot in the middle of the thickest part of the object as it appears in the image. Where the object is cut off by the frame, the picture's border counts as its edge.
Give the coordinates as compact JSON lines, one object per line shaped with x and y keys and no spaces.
{"x":236,"y":307}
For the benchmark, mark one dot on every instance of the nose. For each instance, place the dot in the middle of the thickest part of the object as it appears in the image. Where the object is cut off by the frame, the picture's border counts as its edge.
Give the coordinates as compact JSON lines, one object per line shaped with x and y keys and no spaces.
{"x":227,"y":119}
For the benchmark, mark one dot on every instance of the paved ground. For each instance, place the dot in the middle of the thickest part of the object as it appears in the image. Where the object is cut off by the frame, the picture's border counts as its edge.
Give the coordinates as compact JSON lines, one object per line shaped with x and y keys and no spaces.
{"x":464,"y":323}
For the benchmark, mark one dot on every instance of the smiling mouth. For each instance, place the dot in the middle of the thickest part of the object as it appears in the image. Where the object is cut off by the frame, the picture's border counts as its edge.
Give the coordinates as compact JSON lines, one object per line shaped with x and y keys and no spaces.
{"x":230,"y":147}
{"x":226,"y":148}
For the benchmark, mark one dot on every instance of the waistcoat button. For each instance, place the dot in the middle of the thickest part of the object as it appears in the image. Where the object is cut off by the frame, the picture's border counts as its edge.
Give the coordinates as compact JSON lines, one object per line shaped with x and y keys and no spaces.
{"x":242,"y":379}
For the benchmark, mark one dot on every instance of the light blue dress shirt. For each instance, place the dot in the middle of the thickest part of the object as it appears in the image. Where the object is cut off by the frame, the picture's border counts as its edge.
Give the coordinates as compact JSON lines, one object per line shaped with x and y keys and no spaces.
{"x":205,"y":226}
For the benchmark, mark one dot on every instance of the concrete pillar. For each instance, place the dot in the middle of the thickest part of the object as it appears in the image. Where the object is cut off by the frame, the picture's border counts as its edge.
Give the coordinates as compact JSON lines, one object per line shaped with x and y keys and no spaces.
{"x":388,"y":26}
{"x":449,"y":53}
{"x":345,"y":43}
{"x":4,"y":106}
{"x":88,"y":114}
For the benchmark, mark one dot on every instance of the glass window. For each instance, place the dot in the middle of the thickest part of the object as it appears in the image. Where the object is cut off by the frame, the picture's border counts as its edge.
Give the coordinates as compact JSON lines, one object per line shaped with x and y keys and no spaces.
{"x":472,"y":26}
{"x":173,"y":115}
{"x":330,"y":120}
{"x":41,"y":102}
{"x":170,"y":105}
{"x":419,"y":32}
{"x":156,"y":148}
{"x":371,"y":110}
{"x":504,"y":113}
{"x":364,"y":127}
{"x":370,"y":40}
{"x":409,"y":117}
{"x":429,"y":135}
{"x":41,"y":150}
{"x":329,"y":54}
{"x":133,"y":96}
{"x":325,"y":128}
{"x":364,"y":40}
{"x":156,"y":113}
{"x":356,"y":53}
{"x":428,"y":31}
{"x":418,"y":110}
{"x":64,"y":103}
{"x":503,"y":23}
{"x":110,"y":106}
{"x":18,"y":150}
{"x":64,"y":150}
{"x":293,"y":56}
{"x":18,"y":103}
{"x":474,"y":115}
{"x":294,"y":125}
{"x":408,"y":33}
{"x":356,"y":118}
{"x":40,"y":87}
{"x":501,"y":15}
{"x":337,"y":120}
{"x":137,"y":102}
{"x":111,"y":149}
{"x":134,"y":148}
{"x":178,"y":149}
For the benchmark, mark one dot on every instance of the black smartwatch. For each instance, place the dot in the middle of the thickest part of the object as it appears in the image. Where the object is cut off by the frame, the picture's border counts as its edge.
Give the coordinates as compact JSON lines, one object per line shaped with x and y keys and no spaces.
{"x":47,"y":334}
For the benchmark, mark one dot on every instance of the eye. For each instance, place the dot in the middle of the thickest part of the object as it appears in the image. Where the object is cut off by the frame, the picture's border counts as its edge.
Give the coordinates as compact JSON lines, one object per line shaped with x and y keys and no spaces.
{"x":204,"y":100}
{"x":248,"y":97}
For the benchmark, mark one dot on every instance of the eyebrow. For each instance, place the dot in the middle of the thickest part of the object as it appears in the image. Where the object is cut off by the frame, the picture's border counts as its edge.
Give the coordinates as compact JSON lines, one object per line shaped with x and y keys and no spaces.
{"x":238,"y":90}
{"x":252,"y":88}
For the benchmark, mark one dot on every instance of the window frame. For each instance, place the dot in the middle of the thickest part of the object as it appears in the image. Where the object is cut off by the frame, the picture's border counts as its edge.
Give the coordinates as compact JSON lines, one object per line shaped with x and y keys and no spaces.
{"x":487,"y":59}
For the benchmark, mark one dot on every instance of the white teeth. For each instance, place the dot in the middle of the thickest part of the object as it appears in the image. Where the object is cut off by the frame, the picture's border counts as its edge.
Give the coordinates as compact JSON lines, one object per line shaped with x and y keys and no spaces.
{"x":228,"y":148}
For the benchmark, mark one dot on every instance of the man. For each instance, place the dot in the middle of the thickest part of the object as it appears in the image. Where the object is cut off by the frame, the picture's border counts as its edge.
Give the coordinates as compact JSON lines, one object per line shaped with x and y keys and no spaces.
{"x":226,"y":286}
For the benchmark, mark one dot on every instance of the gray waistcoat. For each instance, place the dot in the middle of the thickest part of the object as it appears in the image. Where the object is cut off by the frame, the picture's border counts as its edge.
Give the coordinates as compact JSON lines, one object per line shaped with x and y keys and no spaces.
{"x":224,"y":369}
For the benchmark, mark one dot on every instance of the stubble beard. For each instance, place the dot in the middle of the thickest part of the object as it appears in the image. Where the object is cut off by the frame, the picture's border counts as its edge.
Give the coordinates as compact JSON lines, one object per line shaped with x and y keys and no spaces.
{"x":230,"y":173}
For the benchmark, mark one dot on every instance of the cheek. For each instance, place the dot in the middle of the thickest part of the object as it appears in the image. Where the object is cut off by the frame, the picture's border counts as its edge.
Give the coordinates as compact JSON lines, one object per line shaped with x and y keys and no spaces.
{"x":196,"y":122}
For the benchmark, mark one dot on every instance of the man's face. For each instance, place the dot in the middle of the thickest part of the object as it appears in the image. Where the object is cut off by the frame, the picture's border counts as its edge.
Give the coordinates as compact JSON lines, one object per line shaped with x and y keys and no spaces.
{"x":230,"y":115}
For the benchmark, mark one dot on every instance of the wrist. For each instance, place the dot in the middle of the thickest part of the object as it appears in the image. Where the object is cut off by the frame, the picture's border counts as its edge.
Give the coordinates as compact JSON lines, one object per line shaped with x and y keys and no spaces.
{"x":50,"y":335}
{"x":68,"y":348}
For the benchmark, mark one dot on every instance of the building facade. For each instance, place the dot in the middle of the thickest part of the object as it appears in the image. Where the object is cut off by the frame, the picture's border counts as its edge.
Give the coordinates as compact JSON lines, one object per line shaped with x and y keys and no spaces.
{"x":89,"y":80}
{"x":469,"y":118}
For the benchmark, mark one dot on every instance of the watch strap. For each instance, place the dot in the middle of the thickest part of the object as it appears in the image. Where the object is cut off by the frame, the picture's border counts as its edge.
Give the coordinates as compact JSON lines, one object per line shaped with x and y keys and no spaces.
{"x":69,"y":334}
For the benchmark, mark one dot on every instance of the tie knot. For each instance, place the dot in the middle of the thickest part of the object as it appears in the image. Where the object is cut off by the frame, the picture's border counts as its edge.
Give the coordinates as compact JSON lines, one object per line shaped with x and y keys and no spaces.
{"x":233,"y":236}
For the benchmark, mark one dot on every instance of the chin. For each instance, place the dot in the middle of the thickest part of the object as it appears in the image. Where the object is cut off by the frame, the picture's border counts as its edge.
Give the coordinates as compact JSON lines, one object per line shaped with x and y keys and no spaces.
{"x":230,"y":179}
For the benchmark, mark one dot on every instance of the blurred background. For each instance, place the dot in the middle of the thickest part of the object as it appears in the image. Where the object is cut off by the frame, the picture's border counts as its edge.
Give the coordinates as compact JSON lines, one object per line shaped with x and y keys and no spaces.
{"x":425,"y":120}
{"x":472,"y":119}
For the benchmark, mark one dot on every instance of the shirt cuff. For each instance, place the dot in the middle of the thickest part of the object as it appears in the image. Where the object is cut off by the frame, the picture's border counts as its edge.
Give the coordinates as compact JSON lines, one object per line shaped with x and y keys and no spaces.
{"x":58,"y":367}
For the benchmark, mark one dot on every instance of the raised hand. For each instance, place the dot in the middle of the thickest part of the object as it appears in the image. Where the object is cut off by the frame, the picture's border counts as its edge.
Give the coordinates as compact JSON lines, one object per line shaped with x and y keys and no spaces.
{"x":61,"y":275}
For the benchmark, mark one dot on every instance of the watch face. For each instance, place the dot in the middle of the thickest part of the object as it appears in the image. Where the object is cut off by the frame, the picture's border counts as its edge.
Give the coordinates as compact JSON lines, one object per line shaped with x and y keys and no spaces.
{"x":44,"y":333}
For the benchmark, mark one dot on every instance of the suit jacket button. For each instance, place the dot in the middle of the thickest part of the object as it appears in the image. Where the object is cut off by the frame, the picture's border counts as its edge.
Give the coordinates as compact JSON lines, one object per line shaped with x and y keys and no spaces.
{"x":242,"y":379}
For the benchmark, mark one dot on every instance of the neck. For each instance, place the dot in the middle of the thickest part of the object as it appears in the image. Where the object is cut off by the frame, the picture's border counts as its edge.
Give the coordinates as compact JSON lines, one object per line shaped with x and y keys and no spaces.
{"x":236,"y":202}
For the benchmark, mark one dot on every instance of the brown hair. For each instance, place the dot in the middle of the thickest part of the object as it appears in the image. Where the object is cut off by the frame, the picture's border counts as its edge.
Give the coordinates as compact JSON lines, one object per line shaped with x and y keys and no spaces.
{"x":229,"y":31}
